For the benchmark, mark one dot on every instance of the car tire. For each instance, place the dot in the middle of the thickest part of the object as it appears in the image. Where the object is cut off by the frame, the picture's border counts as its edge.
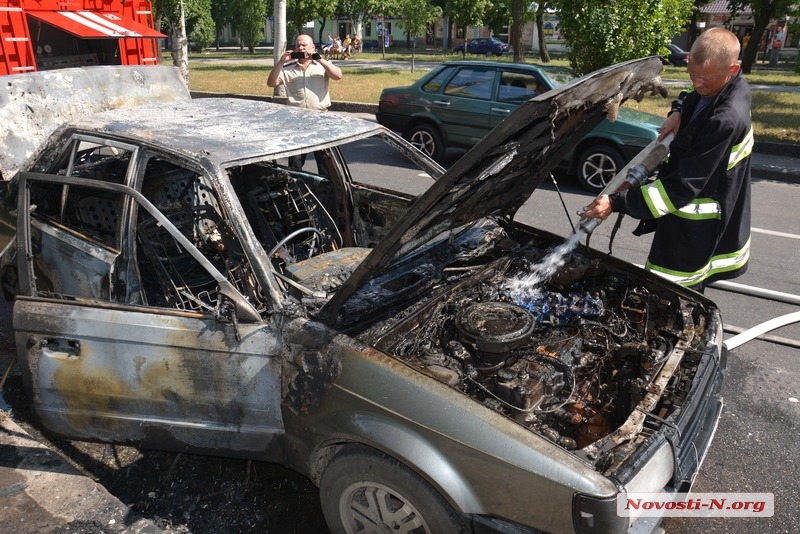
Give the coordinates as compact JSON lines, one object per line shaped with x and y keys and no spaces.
{"x":597,"y":165}
{"x":363,"y":490}
{"x":428,"y":140}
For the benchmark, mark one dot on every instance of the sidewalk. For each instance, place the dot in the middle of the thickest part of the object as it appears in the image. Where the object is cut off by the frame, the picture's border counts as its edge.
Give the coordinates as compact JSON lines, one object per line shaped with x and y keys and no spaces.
{"x":41,"y":493}
{"x":775,"y":167}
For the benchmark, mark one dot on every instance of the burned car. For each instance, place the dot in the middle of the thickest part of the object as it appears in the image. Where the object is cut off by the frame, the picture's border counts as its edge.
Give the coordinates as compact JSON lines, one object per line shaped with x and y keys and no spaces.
{"x":214,"y":276}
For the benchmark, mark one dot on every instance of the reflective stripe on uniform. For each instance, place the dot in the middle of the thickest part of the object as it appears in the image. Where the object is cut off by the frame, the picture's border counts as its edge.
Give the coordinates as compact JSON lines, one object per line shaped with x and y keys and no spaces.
{"x":742,"y":150}
{"x":659,"y":203}
{"x":700,"y":209}
{"x":718,"y":264}
{"x":657,"y":200}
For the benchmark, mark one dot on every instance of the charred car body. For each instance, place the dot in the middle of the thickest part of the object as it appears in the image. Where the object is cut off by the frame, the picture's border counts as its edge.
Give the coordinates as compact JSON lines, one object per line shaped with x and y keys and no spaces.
{"x":184,"y":286}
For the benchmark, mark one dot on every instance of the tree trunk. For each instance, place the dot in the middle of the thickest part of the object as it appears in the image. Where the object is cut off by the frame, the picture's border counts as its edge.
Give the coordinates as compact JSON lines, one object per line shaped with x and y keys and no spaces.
{"x":544,"y":54}
{"x":516,"y":30}
{"x":180,"y":43}
{"x":750,"y":54}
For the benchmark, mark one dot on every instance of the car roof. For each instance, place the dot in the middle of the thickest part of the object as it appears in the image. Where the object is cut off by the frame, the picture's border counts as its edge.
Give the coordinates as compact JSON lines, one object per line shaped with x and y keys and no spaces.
{"x":227,"y":130}
{"x":505,"y":65}
{"x":33,"y":105}
{"x":482,"y":63}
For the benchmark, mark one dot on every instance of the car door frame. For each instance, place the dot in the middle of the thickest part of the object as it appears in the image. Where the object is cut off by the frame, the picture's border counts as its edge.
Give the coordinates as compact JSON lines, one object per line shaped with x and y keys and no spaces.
{"x":464,"y":119}
{"x":158,"y":377}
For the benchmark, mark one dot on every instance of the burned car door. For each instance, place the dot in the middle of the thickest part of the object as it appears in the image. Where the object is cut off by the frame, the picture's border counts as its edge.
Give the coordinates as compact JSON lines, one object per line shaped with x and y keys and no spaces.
{"x":130,"y":324}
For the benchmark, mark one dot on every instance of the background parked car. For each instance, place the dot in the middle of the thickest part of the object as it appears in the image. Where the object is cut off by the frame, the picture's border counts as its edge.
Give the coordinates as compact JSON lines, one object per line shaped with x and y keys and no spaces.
{"x":457,"y":103}
{"x":488,"y":46}
{"x":677,"y":57}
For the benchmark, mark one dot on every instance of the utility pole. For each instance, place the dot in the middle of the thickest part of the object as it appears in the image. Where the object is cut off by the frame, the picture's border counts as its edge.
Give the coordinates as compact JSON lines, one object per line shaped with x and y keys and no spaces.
{"x":279,"y":40}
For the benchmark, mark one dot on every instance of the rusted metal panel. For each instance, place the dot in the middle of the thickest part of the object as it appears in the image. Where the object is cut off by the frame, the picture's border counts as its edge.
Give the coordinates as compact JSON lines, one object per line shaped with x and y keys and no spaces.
{"x":126,"y":373}
{"x":313,"y":361}
{"x":33,"y":105}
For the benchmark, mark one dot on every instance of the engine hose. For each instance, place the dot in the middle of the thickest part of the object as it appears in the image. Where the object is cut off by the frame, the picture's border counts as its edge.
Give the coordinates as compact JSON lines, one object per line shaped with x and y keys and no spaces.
{"x":614,"y":230}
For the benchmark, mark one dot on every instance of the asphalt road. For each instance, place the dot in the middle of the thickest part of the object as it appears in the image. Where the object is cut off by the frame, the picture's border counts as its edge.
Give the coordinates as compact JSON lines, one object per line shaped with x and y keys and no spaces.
{"x":753,"y":450}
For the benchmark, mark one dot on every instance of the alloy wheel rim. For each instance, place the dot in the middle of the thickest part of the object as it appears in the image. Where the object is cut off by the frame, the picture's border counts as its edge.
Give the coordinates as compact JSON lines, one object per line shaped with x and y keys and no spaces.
{"x":370,"y":507}
{"x":598,"y":170}
{"x":424,"y":142}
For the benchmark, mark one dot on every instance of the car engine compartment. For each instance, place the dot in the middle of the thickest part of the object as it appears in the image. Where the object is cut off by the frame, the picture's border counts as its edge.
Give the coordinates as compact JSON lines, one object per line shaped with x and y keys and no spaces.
{"x":570,"y":358}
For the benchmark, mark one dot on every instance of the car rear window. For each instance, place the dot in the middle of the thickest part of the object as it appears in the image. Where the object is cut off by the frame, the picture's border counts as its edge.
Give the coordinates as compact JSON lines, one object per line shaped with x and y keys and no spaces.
{"x":518,"y":87}
{"x":472,"y":83}
{"x":558,"y":75}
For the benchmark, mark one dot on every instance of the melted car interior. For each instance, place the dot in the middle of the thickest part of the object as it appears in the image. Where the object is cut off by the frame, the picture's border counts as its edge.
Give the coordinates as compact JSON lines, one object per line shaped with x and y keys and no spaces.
{"x":303,"y":219}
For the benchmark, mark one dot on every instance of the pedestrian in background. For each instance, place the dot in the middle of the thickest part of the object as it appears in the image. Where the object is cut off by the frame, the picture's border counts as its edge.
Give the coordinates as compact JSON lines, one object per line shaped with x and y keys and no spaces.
{"x":307,"y":77}
{"x":699,"y":207}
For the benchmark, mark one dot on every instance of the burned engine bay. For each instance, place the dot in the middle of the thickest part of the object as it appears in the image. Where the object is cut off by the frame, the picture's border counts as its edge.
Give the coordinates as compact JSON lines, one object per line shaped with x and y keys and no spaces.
{"x":578,"y":358}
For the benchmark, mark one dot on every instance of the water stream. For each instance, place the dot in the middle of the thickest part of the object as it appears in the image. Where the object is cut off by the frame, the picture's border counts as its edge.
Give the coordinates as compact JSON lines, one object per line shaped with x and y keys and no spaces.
{"x":523,"y":288}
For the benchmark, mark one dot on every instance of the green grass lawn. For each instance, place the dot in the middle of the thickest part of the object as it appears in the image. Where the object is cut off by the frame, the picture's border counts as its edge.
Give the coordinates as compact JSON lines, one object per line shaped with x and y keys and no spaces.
{"x":774,"y":114}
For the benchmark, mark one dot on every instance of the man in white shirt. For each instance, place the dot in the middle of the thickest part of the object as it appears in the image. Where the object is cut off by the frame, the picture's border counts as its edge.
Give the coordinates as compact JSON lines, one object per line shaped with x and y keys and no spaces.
{"x":307,"y":78}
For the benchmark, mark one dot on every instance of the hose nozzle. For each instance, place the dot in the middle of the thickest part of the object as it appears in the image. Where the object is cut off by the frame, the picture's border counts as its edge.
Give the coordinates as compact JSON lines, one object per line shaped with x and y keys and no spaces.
{"x":634,"y":174}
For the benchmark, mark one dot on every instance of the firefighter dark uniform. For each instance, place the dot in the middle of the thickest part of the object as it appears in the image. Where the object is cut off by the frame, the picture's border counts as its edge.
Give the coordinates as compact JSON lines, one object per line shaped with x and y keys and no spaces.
{"x":699,"y":207}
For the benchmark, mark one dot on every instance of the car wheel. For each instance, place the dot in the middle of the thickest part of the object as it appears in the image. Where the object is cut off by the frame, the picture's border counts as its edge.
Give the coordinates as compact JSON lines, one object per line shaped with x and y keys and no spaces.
{"x":427,"y":138}
{"x":363,"y":490}
{"x":597,"y":165}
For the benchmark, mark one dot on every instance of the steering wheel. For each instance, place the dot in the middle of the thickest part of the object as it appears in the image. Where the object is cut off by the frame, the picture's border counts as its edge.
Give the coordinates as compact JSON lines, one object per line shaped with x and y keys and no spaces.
{"x":294,"y":234}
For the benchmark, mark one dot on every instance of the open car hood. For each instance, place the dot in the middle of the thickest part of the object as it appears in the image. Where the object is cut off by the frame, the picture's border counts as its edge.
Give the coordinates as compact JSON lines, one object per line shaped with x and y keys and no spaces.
{"x":497,"y":176}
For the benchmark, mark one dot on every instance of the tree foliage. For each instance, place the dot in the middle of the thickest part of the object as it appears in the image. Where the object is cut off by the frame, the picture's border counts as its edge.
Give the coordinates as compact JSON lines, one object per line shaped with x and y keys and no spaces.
{"x":599,"y":34}
{"x":417,"y":16}
{"x":497,"y":17}
{"x":222,"y":15}
{"x":199,"y":24}
{"x":248,"y":19}
{"x":298,"y":12}
{"x":468,"y":12}
{"x":325,"y":10}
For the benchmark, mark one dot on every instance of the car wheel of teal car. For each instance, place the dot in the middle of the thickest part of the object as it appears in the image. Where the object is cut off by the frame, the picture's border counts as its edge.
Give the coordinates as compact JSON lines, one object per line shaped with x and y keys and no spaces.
{"x":363,"y":490}
{"x":597,"y":165}
{"x":428,"y":140}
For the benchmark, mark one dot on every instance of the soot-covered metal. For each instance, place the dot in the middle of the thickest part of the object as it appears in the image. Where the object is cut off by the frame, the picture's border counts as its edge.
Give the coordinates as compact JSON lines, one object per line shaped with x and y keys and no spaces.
{"x":571,"y":358}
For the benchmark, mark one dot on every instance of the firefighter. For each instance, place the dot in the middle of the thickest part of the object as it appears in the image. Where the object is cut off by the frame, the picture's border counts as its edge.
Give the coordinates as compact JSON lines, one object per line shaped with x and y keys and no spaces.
{"x":699,"y":206}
